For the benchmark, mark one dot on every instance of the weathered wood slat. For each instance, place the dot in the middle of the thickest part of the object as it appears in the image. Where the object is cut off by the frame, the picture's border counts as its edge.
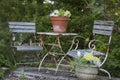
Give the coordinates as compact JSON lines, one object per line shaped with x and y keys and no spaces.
{"x":21,"y":23}
{"x":102,"y":27}
{"x":21,"y":27}
{"x":102,"y":32}
{"x":104,"y":22}
{"x":23,"y":31}
{"x":26,"y":48}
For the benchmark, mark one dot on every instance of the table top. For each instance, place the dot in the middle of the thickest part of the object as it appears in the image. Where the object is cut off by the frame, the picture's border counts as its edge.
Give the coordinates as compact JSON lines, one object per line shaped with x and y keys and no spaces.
{"x":53,"y":33}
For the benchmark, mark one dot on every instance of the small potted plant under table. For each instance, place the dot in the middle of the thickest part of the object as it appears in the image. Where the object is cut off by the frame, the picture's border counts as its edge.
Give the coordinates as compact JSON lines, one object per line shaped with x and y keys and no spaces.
{"x":86,"y":67}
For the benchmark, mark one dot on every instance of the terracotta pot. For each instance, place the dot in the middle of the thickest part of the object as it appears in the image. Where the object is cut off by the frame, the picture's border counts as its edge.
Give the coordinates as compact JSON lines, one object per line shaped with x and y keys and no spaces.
{"x":59,"y":23}
{"x":86,"y":72}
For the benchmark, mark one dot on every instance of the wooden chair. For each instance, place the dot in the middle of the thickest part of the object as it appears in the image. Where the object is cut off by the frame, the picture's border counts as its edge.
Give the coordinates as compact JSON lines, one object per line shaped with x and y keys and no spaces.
{"x":101,"y":29}
{"x":23,"y":38}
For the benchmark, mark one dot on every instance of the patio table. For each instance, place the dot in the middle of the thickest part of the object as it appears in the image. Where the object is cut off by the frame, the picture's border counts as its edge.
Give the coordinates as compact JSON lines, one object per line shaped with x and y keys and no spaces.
{"x":56,"y":42}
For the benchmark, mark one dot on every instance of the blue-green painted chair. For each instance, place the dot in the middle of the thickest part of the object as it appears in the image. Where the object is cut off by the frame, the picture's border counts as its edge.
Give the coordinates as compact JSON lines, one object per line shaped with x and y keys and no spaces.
{"x":23,"y":38}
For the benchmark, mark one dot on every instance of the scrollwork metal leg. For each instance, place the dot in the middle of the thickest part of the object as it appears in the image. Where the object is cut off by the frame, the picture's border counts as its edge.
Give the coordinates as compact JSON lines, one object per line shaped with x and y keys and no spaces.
{"x":60,"y":62}
{"x":42,"y":61}
{"x":103,"y":70}
{"x":14,"y":57}
{"x":58,"y":39}
{"x":65,"y":54}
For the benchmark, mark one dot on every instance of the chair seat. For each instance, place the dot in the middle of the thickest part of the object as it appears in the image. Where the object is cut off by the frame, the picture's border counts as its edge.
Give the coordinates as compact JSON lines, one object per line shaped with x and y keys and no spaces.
{"x":26,"y":48}
{"x":78,"y":53}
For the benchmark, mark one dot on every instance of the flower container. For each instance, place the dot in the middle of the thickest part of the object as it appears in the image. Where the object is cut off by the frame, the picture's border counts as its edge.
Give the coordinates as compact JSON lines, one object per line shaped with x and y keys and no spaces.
{"x":59,"y":23}
{"x":59,"y":19}
{"x":86,"y":72}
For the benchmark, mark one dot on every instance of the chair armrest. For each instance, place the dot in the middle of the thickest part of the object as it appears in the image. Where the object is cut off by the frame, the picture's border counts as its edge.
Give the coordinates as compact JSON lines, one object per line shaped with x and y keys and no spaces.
{"x":92,"y":43}
{"x":75,"y":42}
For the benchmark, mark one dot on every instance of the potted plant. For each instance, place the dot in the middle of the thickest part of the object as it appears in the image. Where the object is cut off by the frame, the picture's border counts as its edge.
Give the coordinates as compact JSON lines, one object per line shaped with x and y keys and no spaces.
{"x":59,"y":19}
{"x":86,"y":66}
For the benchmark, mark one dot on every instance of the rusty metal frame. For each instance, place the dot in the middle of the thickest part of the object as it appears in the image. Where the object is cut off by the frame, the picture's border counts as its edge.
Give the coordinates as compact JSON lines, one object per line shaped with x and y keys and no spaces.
{"x":57,"y":42}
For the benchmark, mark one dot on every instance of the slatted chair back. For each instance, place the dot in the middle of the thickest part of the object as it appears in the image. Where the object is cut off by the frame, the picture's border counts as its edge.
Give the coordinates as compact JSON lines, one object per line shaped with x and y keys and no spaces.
{"x":23,"y":30}
{"x":103,"y":28}
{"x":22,"y":27}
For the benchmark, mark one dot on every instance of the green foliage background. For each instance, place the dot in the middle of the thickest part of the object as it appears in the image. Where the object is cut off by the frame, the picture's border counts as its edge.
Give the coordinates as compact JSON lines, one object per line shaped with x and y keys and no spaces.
{"x":84,"y":12}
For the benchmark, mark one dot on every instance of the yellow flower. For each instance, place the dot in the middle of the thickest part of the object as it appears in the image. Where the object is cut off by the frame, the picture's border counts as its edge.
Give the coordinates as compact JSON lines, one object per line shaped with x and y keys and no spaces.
{"x":116,"y":14}
{"x":96,"y":59}
{"x":88,"y":56}
{"x":67,"y":13}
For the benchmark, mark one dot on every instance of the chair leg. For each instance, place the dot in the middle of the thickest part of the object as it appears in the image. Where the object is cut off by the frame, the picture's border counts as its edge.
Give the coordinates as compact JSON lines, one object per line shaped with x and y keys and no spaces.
{"x":14,"y":57}
{"x":60,"y":62}
{"x":103,"y":70}
{"x":42,"y":61}
{"x":37,"y":54}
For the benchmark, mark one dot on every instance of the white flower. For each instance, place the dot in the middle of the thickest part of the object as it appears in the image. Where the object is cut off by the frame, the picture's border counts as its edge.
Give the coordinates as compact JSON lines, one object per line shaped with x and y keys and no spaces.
{"x":56,"y":11}
{"x":53,"y":14}
{"x":48,"y":1}
{"x":61,"y":13}
{"x":79,"y":54}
